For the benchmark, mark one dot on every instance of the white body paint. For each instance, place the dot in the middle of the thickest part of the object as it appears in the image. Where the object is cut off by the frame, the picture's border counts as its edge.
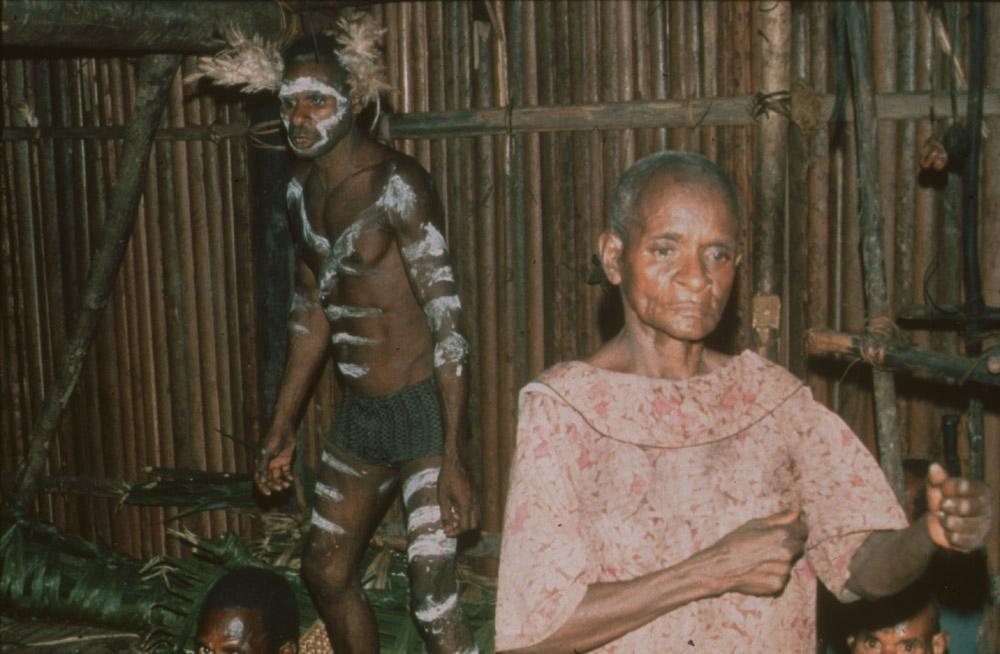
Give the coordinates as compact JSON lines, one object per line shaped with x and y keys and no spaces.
{"x":418,"y":481}
{"x":422,"y":516}
{"x":451,"y":350}
{"x":344,"y":247}
{"x":298,"y":328}
{"x":339,"y":465}
{"x":343,"y":338}
{"x":337,"y":312}
{"x":431,"y":545}
{"x":327,"y":526}
{"x":441,"y":307}
{"x":431,"y":245}
{"x":296,"y":201}
{"x":386,"y":485}
{"x":432,"y":610}
{"x":301,"y":303}
{"x":397,"y":196}
{"x":441,"y":274}
{"x":354,"y":370}
{"x":329,"y":492}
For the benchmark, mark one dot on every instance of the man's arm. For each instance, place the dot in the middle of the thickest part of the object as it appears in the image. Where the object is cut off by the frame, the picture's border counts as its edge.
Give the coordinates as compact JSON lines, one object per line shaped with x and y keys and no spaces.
{"x":415,"y":215}
{"x":754,"y":559}
{"x":308,"y":342}
{"x":959,"y":517}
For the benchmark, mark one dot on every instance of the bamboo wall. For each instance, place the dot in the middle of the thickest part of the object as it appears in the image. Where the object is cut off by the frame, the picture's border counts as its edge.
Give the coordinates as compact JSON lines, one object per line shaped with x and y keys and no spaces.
{"x":175,"y":361}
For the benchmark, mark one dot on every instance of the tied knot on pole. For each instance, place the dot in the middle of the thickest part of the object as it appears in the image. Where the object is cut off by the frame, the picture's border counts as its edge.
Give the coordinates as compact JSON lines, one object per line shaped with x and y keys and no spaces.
{"x":777,"y":101}
{"x":875,"y":343}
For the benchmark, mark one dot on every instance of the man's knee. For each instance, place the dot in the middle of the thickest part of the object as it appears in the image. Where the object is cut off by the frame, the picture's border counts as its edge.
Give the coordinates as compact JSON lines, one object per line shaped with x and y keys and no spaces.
{"x":326,"y":568}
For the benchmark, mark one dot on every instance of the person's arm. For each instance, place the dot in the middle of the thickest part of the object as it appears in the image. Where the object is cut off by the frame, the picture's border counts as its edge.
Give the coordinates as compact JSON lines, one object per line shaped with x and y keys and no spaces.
{"x":959,"y":517}
{"x":308,"y":343}
{"x":415,"y":215}
{"x":754,"y":559}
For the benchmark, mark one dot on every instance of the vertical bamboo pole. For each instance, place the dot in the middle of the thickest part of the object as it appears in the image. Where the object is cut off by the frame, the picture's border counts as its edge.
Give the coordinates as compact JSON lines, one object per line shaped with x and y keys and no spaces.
{"x":680,"y":137}
{"x":771,"y":57}
{"x":535,"y":326}
{"x":796,"y":301}
{"x":419,"y":56}
{"x":818,"y":183}
{"x":694,"y":62}
{"x":626,"y":77}
{"x":486,"y":195}
{"x":565,"y":162}
{"x":876,"y":294}
{"x":710,"y":36}
{"x":155,"y":72}
{"x":659,"y":66}
{"x":580,"y":74}
{"x":553,"y":297}
{"x":990,"y":242}
{"x":904,"y":200}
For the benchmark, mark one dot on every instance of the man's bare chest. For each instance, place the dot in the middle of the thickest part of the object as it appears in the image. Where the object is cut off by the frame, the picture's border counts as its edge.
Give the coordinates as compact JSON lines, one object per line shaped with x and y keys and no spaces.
{"x":338,"y":237}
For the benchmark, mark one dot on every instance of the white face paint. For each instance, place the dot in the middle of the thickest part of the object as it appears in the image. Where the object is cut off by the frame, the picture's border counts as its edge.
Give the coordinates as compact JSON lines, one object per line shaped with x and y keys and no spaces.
{"x":297,"y":328}
{"x":441,"y":307}
{"x":296,"y":203}
{"x":431,"y":245}
{"x":423,"y":516}
{"x":418,"y":481}
{"x":289,"y":90}
{"x":343,"y":338}
{"x":329,"y":527}
{"x":337,"y":312}
{"x":451,"y":350}
{"x":431,"y":545}
{"x":354,"y":370}
{"x":432,"y":610}
{"x":328,"y":492}
{"x":339,"y":465}
{"x":397,"y":197}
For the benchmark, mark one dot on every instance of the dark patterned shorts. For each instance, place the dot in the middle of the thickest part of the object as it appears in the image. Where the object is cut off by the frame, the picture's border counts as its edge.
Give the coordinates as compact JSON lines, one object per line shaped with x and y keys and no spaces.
{"x":389,"y":429}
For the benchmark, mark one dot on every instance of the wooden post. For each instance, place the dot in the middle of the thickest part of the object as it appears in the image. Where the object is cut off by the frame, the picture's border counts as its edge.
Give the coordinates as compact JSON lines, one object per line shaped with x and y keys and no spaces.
{"x":872,"y":255}
{"x":155,"y":75}
{"x":772,"y":59}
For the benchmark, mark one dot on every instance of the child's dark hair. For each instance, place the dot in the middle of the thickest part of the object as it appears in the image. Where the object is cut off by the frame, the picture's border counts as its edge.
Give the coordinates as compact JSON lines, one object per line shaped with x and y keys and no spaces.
{"x":258,"y":590}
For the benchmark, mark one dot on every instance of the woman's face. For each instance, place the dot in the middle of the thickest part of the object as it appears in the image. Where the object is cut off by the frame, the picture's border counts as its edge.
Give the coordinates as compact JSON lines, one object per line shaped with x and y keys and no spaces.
{"x":676,"y":266}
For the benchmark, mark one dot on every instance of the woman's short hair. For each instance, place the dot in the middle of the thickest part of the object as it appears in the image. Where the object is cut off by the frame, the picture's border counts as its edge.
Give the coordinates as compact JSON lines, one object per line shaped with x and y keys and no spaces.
{"x":678,"y":165}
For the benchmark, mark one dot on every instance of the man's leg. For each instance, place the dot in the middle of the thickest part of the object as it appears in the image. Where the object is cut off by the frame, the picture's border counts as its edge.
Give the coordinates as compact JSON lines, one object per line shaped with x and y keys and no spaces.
{"x":351,"y":498}
{"x":431,"y":556}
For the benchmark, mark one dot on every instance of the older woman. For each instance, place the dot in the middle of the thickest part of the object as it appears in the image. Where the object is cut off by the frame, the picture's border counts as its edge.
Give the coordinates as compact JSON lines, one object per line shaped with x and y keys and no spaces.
{"x":668,"y":498}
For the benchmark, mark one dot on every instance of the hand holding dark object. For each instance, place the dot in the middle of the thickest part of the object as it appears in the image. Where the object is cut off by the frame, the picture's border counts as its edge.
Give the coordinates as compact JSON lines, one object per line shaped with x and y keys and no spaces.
{"x":458,"y":508}
{"x":274,"y":461}
{"x":959,"y":511}
{"x":757,"y":557}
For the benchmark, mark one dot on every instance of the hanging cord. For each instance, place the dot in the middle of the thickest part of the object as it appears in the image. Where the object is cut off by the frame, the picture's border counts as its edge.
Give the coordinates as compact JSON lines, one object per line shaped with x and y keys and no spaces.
{"x":265,"y":128}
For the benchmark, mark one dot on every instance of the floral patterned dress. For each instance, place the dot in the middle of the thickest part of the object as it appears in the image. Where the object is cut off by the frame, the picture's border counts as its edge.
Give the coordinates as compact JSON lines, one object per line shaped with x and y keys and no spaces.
{"x":618,"y":475}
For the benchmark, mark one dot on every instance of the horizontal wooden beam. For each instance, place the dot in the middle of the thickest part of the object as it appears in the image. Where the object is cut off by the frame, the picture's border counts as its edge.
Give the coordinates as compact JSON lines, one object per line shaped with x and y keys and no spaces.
{"x":555,"y":118}
{"x":178,"y":26}
{"x":728,"y":111}
{"x":891,"y":355}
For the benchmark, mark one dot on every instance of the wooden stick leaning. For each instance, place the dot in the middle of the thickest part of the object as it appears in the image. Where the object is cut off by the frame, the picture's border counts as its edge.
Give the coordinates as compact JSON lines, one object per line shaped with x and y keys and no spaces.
{"x":155,"y":74}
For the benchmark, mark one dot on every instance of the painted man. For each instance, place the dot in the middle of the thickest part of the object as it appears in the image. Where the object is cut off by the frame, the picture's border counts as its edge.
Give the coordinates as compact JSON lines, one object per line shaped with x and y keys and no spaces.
{"x":374,"y":289}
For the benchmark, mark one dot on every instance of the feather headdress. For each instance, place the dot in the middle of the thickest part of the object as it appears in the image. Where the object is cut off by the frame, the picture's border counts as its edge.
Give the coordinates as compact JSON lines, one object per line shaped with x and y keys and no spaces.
{"x":251,"y":62}
{"x":359,"y":35}
{"x":256,"y":64}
